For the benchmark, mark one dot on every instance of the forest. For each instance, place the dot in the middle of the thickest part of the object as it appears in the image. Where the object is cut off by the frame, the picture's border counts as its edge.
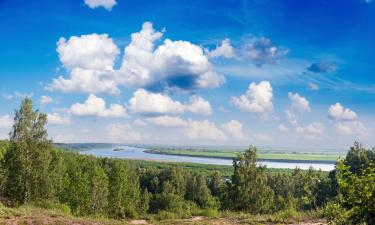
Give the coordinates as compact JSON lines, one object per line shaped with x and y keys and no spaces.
{"x":35,"y":172}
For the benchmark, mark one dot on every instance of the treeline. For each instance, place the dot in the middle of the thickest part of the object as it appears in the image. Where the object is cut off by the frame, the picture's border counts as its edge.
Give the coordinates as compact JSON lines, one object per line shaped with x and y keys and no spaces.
{"x":33,"y":172}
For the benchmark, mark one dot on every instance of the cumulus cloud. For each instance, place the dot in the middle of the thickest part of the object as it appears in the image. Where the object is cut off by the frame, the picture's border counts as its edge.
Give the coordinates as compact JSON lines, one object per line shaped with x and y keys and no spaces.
{"x":173,"y":65}
{"x":57,"y":119}
{"x":95,"y":106}
{"x":262,"y":51}
{"x":322,"y":67}
{"x":167,"y":121}
{"x":199,"y":105}
{"x":234,"y":128}
{"x":225,"y":50}
{"x":345,"y":121}
{"x":204,"y":130}
{"x":257,"y":99}
{"x":149,"y":103}
{"x":144,"y":102}
{"x":6,"y":121}
{"x":89,"y":61}
{"x":122,"y":133}
{"x":44,"y":100}
{"x":107,"y":4}
{"x":299,"y":103}
{"x":340,"y":113}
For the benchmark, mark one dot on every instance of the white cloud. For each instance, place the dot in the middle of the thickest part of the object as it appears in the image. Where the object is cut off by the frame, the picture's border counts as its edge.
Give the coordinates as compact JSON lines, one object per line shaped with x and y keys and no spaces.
{"x":257,"y":99}
{"x":145,"y":102}
{"x":87,"y":81}
{"x":343,"y":128}
{"x":95,"y":106}
{"x":339,"y":113}
{"x":299,"y":103}
{"x":57,"y":119}
{"x":167,"y":121}
{"x":122,"y":132}
{"x":199,"y":105}
{"x":175,"y":65}
{"x":224,"y":50}
{"x":312,"y":130}
{"x":235,"y":129}
{"x":107,"y":4}
{"x":204,"y":130}
{"x":89,"y":60}
{"x":91,"y":51}
{"x":351,"y":127}
{"x":345,"y":121}
{"x":44,"y":100}
{"x":6,"y":121}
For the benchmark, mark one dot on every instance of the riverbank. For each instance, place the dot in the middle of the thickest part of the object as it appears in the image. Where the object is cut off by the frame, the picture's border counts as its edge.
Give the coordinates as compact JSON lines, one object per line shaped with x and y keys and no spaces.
{"x":262,"y":157}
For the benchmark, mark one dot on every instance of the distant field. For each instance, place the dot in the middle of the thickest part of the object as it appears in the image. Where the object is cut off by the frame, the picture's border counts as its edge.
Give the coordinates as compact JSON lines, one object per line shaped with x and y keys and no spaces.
{"x":206,"y":169}
{"x":231,"y":154}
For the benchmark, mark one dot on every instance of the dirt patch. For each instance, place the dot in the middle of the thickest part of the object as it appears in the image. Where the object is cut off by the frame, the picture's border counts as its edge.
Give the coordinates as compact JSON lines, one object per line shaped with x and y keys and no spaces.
{"x":138,"y":222}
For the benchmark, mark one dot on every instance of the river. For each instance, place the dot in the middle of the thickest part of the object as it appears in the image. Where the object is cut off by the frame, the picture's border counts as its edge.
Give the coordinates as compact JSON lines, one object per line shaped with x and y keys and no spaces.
{"x":138,"y":153}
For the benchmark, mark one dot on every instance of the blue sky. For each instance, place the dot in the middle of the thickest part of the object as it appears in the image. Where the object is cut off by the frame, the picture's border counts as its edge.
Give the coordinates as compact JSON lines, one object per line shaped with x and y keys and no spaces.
{"x":273,"y":73}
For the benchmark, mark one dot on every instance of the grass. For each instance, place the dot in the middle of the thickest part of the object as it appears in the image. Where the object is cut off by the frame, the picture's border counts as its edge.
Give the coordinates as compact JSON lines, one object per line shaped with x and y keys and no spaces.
{"x":265,"y":156}
{"x":205,"y":169}
{"x":31,"y":214}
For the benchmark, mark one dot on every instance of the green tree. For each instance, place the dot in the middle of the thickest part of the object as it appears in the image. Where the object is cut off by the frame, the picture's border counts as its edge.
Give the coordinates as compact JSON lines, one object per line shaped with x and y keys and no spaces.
{"x":358,"y":194}
{"x":198,"y":191}
{"x":250,"y":191}
{"x":215,"y":183}
{"x":28,"y":159}
{"x":124,"y":190}
{"x":359,"y":158}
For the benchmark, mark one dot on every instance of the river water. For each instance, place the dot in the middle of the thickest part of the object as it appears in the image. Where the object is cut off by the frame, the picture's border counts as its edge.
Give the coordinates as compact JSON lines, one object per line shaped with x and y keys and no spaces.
{"x":138,"y":153}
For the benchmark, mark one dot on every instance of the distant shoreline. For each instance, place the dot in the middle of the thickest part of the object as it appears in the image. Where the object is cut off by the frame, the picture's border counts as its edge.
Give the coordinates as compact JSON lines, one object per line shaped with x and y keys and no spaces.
{"x":231,"y":158}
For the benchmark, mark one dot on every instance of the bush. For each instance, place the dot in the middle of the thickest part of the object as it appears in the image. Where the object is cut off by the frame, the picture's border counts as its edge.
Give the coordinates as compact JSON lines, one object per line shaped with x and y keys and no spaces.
{"x":166,"y":215}
{"x":335,"y":214}
{"x":211,"y":213}
{"x":61,"y":208}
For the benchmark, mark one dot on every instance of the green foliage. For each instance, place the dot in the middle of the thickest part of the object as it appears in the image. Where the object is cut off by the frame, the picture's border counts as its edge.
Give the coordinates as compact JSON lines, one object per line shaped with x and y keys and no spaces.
{"x":358,"y":193}
{"x":359,"y":158}
{"x":356,"y":186}
{"x":28,"y":159}
{"x":124,"y":191}
{"x":250,"y":191}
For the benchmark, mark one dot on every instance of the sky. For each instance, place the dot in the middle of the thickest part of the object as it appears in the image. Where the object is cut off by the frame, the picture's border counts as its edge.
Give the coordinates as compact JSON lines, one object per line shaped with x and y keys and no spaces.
{"x":266,"y":73}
